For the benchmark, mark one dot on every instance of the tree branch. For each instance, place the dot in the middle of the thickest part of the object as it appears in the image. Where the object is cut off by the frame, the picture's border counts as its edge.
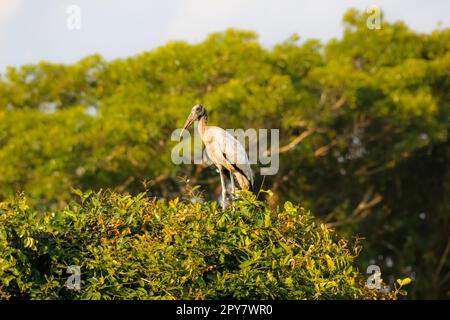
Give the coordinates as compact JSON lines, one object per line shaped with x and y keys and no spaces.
{"x":442,"y":261}
{"x":293,"y":143}
{"x":361,"y":211}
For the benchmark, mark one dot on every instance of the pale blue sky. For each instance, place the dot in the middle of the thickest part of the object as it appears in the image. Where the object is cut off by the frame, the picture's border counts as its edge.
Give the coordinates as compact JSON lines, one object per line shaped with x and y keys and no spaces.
{"x":34,"y":30}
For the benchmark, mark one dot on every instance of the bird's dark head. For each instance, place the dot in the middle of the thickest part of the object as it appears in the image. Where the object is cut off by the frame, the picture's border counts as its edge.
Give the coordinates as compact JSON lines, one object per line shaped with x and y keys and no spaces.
{"x":198,"y":112}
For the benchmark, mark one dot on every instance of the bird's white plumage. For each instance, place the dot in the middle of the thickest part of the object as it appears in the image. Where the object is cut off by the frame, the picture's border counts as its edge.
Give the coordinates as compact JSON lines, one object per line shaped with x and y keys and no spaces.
{"x":225,"y":150}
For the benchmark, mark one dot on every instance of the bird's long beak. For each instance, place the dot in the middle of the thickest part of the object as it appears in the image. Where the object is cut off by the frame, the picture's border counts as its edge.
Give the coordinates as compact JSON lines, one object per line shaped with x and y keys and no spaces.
{"x":189,"y":121}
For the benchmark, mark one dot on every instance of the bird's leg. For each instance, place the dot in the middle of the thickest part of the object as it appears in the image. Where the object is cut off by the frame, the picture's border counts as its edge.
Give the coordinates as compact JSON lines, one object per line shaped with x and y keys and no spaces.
{"x":232,"y":183}
{"x":222,"y":182}
{"x":232,"y":190}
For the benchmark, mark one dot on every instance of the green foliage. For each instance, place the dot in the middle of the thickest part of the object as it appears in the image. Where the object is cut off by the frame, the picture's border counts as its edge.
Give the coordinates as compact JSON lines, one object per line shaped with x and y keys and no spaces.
{"x":374,"y":104}
{"x":144,"y":248}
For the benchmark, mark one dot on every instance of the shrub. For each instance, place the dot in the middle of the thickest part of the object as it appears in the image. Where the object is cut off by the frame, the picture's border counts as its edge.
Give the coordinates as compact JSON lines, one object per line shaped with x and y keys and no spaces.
{"x":144,"y":248}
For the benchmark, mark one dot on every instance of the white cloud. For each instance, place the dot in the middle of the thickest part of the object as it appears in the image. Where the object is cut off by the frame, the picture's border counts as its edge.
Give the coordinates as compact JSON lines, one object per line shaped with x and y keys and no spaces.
{"x":36,"y":30}
{"x":275,"y":20}
{"x":9,"y":10}
{"x":195,"y":18}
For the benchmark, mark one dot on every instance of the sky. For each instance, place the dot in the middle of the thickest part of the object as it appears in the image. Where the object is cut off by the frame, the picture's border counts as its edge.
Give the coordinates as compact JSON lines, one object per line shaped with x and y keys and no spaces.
{"x":31,"y":31}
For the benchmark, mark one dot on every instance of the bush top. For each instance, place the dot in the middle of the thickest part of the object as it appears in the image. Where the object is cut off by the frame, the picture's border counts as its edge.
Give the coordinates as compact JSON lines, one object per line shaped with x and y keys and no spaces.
{"x":143,"y":248}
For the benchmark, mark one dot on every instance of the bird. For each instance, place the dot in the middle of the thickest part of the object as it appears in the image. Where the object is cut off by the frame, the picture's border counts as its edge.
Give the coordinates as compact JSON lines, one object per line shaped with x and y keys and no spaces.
{"x":224,"y":150}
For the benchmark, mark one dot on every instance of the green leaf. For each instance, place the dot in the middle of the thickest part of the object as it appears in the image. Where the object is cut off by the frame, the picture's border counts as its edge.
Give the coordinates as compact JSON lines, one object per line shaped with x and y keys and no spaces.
{"x":404,"y":282}
{"x":246,"y":264}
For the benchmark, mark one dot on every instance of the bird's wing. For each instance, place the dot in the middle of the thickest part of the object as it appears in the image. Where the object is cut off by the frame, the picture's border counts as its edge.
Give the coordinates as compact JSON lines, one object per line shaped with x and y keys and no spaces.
{"x":233,"y":152}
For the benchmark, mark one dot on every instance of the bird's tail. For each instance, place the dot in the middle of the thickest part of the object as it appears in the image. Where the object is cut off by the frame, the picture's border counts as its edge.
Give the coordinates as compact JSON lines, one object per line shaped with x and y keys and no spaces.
{"x":243,"y":181}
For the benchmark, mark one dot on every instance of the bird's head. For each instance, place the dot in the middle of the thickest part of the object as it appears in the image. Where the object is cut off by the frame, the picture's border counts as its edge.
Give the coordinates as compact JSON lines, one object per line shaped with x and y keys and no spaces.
{"x":197,"y":112}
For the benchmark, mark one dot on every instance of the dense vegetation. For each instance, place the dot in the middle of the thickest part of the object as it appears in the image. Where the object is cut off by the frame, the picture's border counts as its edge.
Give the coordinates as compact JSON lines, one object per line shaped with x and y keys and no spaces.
{"x":140,"y":248}
{"x":364,"y":123}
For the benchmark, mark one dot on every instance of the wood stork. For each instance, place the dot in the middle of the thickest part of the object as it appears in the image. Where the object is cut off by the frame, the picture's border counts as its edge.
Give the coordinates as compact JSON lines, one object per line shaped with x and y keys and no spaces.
{"x":224,"y":150}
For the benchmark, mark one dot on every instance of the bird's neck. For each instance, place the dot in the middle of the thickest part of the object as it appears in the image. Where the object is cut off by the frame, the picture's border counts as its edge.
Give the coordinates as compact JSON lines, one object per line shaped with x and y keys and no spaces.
{"x":202,"y":126}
